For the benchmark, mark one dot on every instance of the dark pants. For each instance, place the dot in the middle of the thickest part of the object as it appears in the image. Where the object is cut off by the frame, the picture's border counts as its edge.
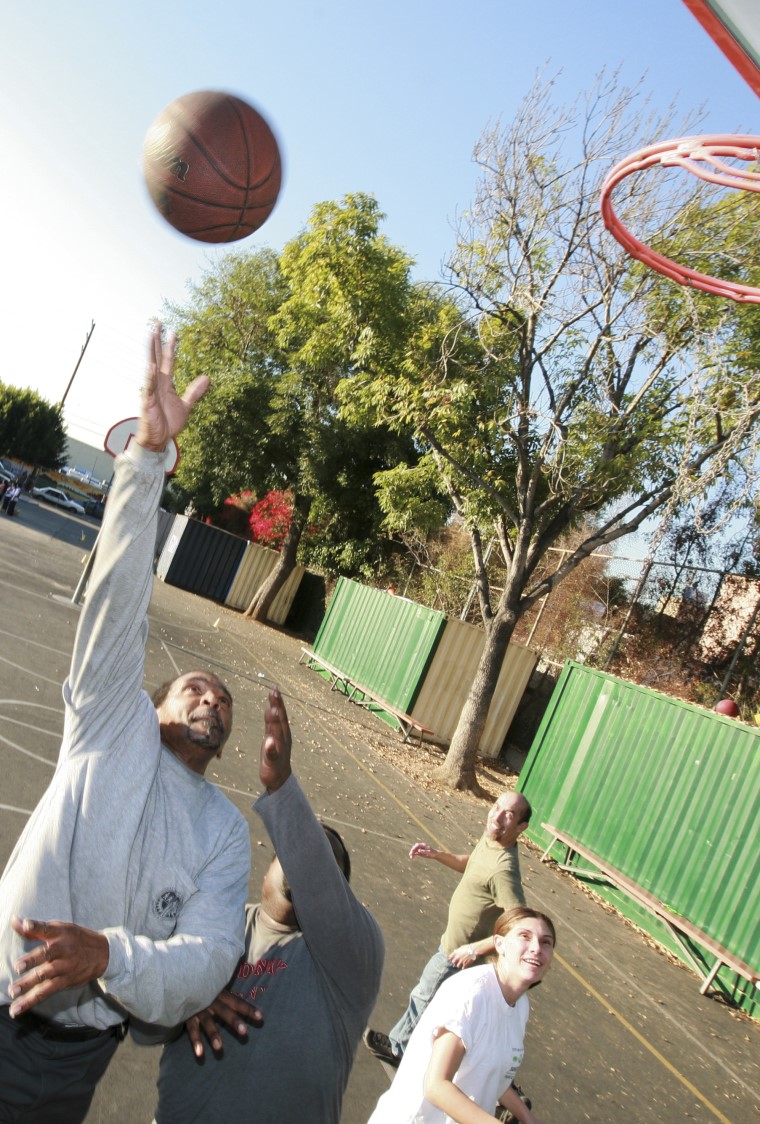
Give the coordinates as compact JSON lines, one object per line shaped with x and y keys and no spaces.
{"x":44,"y":1081}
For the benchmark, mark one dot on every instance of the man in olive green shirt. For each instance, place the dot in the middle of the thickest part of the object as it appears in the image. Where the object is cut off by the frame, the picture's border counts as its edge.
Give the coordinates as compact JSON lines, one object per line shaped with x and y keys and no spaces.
{"x":490,"y":884}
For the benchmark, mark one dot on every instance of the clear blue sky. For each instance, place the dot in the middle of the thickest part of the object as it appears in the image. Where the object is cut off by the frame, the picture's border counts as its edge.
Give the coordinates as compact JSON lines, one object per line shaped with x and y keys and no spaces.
{"x":384,"y":98}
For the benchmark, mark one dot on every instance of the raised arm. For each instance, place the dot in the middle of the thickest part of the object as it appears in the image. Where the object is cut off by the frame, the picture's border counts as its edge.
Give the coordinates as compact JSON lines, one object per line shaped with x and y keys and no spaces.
{"x":453,"y":862}
{"x":107,"y":662}
{"x":104,"y":686}
{"x":342,"y":935}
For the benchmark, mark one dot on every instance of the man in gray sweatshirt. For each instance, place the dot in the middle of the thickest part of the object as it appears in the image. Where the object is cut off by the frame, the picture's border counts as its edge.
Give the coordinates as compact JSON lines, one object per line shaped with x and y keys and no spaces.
{"x":124,"y":896}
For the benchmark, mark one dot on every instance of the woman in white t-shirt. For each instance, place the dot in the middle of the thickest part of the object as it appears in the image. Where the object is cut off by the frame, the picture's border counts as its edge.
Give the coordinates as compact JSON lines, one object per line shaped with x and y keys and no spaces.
{"x":465,"y":1050}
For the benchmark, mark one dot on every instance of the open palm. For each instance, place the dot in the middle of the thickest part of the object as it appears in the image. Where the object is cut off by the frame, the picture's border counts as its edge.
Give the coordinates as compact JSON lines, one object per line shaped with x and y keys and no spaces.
{"x":164,"y":413}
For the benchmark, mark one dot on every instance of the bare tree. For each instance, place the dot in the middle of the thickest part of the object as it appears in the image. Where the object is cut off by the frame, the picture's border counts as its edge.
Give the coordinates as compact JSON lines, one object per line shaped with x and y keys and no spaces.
{"x":589,"y":399}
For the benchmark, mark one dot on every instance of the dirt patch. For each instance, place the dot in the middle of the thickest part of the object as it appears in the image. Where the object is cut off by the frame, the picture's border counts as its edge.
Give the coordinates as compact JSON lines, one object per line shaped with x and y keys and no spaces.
{"x":418,"y":763}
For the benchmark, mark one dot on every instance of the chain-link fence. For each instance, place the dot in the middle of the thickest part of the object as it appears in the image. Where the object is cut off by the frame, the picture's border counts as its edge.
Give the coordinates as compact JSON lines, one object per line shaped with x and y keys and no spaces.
{"x":690,"y":631}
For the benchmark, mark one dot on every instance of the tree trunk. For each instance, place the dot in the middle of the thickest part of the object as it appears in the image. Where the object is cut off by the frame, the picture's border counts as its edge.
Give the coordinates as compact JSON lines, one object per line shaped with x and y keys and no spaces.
{"x":273,"y":583}
{"x":458,"y":770}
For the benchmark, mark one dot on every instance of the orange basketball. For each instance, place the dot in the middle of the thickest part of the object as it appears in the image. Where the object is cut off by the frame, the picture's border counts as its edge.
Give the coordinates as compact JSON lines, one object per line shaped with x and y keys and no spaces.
{"x":212,"y":166}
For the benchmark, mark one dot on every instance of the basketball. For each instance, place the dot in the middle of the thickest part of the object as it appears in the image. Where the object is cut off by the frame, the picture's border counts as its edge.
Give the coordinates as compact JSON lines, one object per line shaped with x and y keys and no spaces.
{"x":212,"y":166}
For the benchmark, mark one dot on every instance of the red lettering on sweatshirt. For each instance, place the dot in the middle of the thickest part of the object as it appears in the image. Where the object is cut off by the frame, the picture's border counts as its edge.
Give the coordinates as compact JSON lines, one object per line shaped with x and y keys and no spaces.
{"x":266,"y":966}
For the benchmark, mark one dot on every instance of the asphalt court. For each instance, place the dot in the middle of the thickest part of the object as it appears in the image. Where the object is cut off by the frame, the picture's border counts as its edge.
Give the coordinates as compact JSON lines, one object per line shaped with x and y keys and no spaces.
{"x":617,"y":1032}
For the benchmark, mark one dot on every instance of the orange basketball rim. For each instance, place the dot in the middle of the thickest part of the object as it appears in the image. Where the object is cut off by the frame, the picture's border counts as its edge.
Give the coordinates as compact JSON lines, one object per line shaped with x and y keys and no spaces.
{"x":734,"y":26}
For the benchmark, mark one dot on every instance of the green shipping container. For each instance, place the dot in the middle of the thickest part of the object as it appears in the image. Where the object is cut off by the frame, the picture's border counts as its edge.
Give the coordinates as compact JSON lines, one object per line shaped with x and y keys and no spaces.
{"x":667,"y":793}
{"x":383,"y":642}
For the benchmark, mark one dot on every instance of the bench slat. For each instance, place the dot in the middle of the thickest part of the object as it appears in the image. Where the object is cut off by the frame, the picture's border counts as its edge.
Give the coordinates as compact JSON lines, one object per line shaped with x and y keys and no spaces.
{"x":678,"y":925}
{"x":351,"y":687}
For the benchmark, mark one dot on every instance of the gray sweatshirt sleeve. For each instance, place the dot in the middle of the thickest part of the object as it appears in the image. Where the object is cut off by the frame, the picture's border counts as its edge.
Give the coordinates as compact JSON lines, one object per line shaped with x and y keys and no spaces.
{"x":341,"y":933}
{"x":106,"y":672}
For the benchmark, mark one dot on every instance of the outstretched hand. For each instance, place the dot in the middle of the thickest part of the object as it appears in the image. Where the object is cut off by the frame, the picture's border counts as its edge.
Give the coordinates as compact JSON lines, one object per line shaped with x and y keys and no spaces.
{"x":164,"y":414}
{"x":68,"y":956}
{"x":422,"y":851}
{"x":274,"y":763}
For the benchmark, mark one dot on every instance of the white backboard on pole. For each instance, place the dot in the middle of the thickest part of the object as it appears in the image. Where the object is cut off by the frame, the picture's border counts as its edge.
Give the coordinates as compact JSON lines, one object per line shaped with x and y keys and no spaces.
{"x":120,"y":435}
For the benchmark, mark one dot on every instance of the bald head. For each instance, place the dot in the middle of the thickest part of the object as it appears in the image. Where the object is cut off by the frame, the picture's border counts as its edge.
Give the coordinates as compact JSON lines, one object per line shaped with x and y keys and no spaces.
{"x":508,"y":818}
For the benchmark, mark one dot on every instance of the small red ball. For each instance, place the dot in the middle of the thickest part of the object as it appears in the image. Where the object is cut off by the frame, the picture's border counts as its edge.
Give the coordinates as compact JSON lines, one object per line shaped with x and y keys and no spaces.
{"x":728,"y":707}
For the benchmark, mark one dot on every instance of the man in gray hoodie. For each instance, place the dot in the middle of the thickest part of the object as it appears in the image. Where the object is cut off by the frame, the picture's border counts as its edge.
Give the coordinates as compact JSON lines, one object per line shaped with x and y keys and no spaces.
{"x":124,"y":896}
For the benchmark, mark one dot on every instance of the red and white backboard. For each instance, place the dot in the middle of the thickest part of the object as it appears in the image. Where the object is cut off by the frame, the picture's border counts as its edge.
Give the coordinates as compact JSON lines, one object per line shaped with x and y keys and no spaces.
{"x":734,"y":25}
{"x":120,"y":435}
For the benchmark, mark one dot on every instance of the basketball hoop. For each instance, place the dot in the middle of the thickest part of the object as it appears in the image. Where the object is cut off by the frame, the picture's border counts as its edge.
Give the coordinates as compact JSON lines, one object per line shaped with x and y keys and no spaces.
{"x":704,"y":157}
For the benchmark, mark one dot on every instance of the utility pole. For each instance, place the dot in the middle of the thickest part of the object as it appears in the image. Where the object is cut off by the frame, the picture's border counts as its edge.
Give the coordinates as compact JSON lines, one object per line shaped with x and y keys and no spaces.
{"x":79,"y":360}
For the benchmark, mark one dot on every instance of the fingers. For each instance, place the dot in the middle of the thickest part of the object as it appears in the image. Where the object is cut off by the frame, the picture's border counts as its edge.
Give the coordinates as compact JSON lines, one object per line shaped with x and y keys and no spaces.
{"x":195,"y":391}
{"x":68,"y":955}
{"x":274,"y":765}
{"x":235,"y":1012}
{"x":276,"y":702}
{"x":193,"y":1028}
{"x":229,"y":1009}
{"x":32,"y":930}
{"x":276,"y":725}
{"x":37,"y":969}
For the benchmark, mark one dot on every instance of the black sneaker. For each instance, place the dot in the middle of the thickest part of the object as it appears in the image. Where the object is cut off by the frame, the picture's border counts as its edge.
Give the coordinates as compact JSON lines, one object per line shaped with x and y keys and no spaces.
{"x":379,"y":1044}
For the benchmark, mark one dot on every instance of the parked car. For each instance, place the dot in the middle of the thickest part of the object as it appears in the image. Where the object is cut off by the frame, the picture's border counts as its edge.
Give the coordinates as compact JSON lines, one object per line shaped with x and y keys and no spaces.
{"x":95,"y":507}
{"x":59,"y":498}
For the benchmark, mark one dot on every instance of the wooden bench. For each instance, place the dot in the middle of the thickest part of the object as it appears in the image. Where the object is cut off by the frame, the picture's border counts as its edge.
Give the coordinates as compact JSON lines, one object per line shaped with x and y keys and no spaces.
{"x":682,"y":930}
{"x":363,"y":696}
{"x":337,"y":678}
{"x":406,"y":723}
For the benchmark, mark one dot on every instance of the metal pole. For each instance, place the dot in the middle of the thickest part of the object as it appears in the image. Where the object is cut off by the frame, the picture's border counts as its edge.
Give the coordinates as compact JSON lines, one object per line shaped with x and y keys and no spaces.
{"x":616,"y":642}
{"x":77,"y":594}
{"x":738,"y":651}
{"x":79,"y":360}
{"x":544,"y":599}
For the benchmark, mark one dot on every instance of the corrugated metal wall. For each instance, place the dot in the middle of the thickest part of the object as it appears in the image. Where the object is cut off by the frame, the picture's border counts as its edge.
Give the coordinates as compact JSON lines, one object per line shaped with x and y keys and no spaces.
{"x":412,"y":657}
{"x":200,"y":558}
{"x":215,"y":564}
{"x":258,"y":562}
{"x":666,"y":792}
{"x":383,"y":642}
{"x":443,"y":693}
{"x":172,"y":536}
{"x":163,"y":530}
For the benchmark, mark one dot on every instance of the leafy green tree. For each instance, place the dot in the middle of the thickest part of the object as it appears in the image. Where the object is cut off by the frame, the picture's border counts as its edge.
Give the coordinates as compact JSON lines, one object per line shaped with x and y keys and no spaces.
{"x":31,"y":429}
{"x":276,"y":333}
{"x":586,"y":401}
{"x":346,"y":311}
{"x":224,"y":333}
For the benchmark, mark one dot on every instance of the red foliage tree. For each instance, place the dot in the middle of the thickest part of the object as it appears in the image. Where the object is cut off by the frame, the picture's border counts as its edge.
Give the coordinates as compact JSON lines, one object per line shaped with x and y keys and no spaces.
{"x":270,"y":518}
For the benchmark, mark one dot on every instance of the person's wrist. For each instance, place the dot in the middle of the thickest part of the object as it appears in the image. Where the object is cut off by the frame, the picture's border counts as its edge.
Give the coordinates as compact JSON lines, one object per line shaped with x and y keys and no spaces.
{"x":471,"y":952}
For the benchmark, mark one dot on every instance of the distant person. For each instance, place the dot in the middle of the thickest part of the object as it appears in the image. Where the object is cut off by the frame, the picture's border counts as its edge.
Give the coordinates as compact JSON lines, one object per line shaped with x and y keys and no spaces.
{"x":462,"y":1058}
{"x":312,"y":965}
{"x":10,"y":499}
{"x":490,"y":883}
{"x":124,"y":897}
